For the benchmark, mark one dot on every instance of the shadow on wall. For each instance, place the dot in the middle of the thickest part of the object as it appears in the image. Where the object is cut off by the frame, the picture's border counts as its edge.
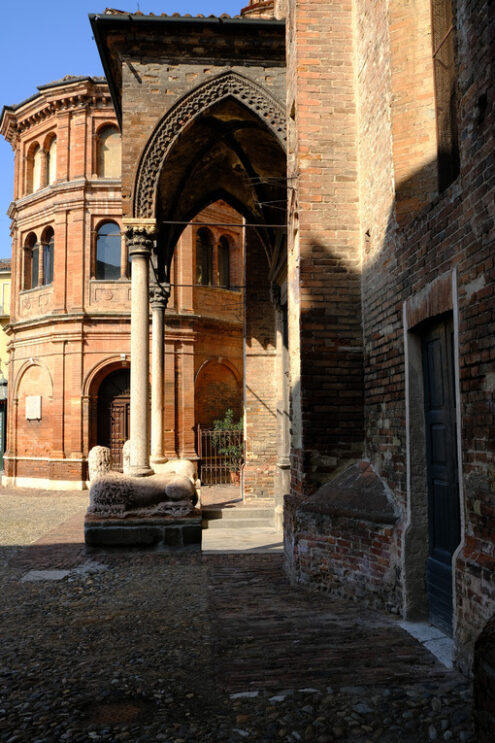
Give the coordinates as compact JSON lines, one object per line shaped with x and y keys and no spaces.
{"x":360,"y":380}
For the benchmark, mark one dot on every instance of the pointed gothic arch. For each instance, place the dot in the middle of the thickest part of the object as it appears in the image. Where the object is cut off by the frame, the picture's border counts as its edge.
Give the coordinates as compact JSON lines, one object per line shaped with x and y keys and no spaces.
{"x":193,"y":104}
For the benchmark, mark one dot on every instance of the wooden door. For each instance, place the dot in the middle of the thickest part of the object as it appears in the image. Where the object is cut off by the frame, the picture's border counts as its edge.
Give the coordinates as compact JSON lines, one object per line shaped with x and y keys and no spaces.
{"x":442,"y":473}
{"x":114,"y":414}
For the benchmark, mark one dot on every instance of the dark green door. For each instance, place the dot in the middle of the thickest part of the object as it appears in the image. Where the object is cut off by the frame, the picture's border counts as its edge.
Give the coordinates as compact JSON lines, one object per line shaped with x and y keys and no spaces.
{"x":441,"y":456}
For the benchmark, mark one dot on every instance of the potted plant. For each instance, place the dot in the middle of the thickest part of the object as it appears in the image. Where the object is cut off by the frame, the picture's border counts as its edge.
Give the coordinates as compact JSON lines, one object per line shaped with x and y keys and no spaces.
{"x":229,"y":444}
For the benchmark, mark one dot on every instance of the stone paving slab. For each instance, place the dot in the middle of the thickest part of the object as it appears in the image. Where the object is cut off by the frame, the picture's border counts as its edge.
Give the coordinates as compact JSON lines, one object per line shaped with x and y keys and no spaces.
{"x":247,"y":539}
{"x":142,"y":647}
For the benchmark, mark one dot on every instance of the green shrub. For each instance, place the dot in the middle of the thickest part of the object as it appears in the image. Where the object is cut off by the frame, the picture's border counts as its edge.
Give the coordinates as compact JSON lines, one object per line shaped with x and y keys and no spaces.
{"x":226,"y":444}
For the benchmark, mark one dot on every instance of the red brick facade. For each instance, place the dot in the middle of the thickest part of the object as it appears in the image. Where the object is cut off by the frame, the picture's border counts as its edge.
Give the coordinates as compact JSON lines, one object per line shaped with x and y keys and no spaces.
{"x":69,"y":333}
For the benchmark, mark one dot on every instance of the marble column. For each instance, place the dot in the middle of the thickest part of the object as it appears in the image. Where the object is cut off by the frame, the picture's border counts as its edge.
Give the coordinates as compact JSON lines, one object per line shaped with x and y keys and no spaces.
{"x":159,"y":301}
{"x":139,"y":238}
{"x":279,"y":300}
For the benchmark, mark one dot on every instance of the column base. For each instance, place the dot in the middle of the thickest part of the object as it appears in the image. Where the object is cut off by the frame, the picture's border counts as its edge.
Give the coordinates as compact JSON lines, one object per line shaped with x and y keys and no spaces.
{"x":158,"y":459}
{"x":139,"y":471}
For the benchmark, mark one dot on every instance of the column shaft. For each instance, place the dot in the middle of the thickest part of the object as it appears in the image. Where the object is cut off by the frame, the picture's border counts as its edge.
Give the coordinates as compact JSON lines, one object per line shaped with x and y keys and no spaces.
{"x":158,"y":306}
{"x":140,"y":248}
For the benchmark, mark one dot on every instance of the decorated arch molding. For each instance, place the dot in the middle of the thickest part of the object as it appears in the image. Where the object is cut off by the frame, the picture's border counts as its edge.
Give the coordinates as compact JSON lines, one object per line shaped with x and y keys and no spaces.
{"x":193,"y":104}
{"x":26,"y":366}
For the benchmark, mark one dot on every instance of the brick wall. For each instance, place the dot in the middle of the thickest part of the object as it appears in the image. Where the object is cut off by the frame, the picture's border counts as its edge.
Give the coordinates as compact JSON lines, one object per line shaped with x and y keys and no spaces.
{"x":347,"y":557}
{"x":437,"y":234}
{"x":324,"y":246}
{"x":409,"y":237}
{"x":260,"y":384}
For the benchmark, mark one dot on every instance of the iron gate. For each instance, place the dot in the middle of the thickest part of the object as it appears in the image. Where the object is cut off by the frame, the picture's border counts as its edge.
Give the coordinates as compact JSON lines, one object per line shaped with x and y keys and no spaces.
{"x":220,"y":456}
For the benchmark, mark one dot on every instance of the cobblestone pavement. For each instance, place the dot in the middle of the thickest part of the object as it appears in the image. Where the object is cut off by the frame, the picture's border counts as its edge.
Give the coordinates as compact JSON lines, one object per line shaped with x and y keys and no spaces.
{"x":189,"y":648}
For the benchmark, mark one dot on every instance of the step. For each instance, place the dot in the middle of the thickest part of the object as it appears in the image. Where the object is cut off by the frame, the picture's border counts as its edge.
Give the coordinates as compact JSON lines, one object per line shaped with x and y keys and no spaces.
{"x":241,"y":512}
{"x":237,"y":524}
{"x":237,"y":518}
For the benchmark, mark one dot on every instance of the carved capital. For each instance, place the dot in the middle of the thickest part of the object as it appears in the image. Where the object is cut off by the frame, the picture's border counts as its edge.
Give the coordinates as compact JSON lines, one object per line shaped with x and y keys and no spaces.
{"x":139,"y":235}
{"x":159,"y":296}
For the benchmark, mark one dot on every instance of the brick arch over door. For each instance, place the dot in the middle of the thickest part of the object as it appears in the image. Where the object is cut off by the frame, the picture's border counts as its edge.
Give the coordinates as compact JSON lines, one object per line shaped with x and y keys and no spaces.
{"x":217,"y":388}
{"x":227,"y":85}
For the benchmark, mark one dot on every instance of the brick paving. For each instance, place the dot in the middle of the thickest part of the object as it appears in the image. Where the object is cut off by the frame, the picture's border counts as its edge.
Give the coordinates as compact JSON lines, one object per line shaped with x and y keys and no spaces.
{"x":303,"y":635}
{"x":190,"y":648}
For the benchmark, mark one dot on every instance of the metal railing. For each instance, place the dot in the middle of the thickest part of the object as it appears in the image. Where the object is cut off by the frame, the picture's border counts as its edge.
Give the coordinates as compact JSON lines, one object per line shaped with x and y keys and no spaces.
{"x":220,"y":455}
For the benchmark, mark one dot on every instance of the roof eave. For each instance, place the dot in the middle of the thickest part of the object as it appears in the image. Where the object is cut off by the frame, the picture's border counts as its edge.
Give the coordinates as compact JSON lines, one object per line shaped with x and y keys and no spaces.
{"x":100,"y":22}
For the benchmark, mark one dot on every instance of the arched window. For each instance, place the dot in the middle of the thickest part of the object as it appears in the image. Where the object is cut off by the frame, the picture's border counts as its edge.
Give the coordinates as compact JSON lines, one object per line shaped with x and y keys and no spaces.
{"x":47,"y":243}
{"x":108,"y":252}
{"x":224,"y":262}
{"x":30,"y":158}
{"x":51,"y":161}
{"x":31,"y":262}
{"x":109,"y":153}
{"x":37,"y":168}
{"x":204,"y":257}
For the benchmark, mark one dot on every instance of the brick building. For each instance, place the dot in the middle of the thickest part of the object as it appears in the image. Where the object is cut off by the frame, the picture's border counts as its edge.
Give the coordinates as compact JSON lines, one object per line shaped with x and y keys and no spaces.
{"x":370,"y":301}
{"x":355,"y":140}
{"x":69,"y":328}
{"x":391,"y":248}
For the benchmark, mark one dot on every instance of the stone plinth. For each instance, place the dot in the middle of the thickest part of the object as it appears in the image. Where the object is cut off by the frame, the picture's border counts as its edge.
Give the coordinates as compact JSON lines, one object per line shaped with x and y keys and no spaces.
{"x":159,"y":533}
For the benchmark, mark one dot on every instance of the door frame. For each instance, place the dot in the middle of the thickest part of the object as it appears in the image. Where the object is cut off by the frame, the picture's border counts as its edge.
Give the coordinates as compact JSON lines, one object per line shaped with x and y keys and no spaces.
{"x":125,"y":404}
{"x":440,"y":412}
{"x":437,"y":299}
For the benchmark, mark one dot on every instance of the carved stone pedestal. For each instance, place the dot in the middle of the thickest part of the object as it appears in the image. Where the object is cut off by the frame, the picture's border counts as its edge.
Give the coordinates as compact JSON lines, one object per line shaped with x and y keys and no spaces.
{"x":155,"y":533}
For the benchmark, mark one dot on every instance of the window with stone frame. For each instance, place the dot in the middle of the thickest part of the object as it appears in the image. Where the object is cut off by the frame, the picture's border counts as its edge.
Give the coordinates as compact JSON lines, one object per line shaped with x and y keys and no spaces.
{"x":108,"y":252}
{"x":443,"y":40}
{"x":223,"y":262}
{"x":33,"y":168}
{"x":47,"y":255}
{"x":108,"y":152}
{"x":31,"y":262}
{"x":51,"y":160}
{"x":204,"y":257}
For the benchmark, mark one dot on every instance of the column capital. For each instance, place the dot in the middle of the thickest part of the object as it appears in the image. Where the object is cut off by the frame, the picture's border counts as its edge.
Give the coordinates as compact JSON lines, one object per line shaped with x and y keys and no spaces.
{"x":139,"y":235}
{"x":159,"y":295}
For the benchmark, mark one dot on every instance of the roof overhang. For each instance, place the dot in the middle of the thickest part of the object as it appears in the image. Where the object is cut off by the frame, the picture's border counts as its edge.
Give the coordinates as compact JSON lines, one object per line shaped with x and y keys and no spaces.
{"x":176,"y":39}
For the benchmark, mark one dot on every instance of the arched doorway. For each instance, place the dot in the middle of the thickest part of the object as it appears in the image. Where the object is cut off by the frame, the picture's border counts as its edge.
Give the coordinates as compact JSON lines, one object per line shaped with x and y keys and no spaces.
{"x":218,"y":397}
{"x":113,"y":414}
{"x":217,"y":390}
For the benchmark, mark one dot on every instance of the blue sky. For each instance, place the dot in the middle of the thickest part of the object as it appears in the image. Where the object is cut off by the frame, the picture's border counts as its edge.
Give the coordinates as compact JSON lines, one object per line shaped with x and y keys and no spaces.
{"x":43,"y":41}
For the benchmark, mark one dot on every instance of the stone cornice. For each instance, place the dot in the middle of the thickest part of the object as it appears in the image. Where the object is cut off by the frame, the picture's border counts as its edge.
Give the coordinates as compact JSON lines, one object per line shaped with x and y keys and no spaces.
{"x":78,"y":190}
{"x":52,"y":100}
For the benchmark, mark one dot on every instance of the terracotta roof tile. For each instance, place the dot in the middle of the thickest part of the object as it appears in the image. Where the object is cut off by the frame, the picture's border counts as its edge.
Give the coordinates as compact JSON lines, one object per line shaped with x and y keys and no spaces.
{"x":114,"y":11}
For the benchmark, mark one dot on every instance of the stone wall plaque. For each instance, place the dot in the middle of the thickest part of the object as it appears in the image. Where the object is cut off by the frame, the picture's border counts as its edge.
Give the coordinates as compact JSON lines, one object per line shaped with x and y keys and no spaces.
{"x":33,"y":407}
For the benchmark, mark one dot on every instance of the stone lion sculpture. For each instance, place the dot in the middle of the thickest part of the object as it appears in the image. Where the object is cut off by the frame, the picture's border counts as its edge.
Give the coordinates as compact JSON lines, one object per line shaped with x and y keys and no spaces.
{"x":98,"y":462}
{"x":173,"y":489}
